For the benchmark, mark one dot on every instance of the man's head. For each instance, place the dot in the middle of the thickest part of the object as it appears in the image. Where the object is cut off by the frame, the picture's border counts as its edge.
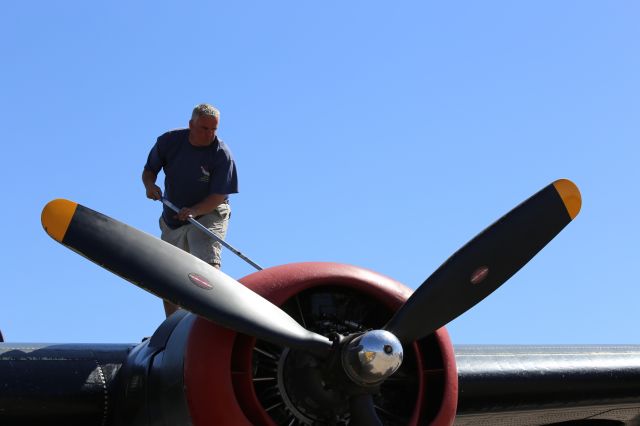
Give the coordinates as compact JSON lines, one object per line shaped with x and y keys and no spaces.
{"x":203,"y":125}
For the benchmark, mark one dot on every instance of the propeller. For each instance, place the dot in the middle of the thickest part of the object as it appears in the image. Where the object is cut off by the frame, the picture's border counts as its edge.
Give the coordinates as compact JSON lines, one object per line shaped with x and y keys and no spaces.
{"x":471,"y":274}
{"x":363,"y":411}
{"x":174,"y":275}
{"x":487,"y":261}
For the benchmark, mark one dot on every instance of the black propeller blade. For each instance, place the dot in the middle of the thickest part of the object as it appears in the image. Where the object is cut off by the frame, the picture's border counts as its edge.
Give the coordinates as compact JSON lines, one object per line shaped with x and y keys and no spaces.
{"x":174,"y":275}
{"x":363,"y":412}
{"x":487,"y":261}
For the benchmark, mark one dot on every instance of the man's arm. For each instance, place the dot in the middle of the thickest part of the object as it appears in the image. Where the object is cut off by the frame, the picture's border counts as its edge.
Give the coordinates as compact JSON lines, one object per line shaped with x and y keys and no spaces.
{"x":149,"y":180}
{"x":206,"y":206}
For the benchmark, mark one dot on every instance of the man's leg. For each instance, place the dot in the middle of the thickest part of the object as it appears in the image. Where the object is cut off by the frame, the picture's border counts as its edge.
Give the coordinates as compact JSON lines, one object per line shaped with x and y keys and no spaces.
{"x":169,"y":308}
{"x":196,"y":242}
{"x":202,"y":245}
{"x":178,"y":238}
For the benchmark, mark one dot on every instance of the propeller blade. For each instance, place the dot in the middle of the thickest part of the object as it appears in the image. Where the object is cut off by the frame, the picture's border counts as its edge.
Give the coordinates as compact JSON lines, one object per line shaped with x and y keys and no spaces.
{"x":363,"y":412}
{"x":487,"y":261}
{"x":174,"y":275}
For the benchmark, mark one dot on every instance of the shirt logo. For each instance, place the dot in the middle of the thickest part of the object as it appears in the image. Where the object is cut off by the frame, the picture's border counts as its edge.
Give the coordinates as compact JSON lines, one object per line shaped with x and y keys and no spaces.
{"x":205,"y":175}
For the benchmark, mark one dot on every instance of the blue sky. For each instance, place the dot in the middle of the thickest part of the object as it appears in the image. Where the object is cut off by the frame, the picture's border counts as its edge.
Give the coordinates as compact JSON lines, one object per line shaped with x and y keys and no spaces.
{"x":376,"y":134}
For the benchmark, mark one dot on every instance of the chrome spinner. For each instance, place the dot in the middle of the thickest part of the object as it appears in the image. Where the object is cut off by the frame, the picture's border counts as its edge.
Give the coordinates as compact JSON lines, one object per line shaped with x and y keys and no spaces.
{"x":372,"y":357}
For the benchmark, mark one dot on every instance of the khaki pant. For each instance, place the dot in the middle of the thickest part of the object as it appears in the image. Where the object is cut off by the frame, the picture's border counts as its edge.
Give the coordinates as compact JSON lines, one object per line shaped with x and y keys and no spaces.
{"x":195,"y":241}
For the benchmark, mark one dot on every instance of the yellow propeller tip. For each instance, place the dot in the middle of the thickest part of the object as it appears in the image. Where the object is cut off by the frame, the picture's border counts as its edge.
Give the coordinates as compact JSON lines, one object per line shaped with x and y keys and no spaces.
{"x":56,"y":217}
{"x":570,"y":195}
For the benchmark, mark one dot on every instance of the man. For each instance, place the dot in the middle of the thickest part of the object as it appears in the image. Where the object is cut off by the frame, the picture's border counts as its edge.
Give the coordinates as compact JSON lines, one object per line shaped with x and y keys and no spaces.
{"x":200,"y":173}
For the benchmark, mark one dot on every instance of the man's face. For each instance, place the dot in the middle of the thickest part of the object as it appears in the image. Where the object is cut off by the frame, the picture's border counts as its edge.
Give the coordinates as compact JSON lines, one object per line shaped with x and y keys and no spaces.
{"x":202,"y":130}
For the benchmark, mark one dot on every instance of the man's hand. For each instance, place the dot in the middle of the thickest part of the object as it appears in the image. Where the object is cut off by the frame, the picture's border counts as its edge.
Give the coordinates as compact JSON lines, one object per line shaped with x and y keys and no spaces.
{"x":149,"y":181}
{"x":185,"y":213}
{"x":206,"y":206}
{"x":154,"y":192}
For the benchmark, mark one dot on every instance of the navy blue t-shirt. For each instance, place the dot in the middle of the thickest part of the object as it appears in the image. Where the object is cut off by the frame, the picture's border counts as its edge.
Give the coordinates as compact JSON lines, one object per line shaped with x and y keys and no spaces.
{"x":191,"y":173}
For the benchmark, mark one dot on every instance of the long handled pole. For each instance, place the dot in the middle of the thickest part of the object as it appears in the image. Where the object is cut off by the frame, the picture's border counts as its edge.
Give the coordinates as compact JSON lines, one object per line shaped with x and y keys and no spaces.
{"x":212,"y":235}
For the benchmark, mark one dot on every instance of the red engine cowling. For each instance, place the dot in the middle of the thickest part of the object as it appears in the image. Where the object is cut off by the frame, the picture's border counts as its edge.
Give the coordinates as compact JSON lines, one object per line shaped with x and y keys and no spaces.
{"x":220,"y":366}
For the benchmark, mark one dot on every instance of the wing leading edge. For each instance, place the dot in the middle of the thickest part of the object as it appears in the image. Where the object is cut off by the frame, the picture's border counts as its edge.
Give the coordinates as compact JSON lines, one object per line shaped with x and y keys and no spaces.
{"x":543,"y":385}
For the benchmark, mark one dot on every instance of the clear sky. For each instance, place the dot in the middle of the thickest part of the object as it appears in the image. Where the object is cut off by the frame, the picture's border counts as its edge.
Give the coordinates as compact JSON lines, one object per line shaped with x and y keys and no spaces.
{"x":378,"y":134}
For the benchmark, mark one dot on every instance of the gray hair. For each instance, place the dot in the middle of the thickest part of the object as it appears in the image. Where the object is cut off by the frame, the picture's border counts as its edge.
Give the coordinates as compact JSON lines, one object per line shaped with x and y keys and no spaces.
{"x":205,"y":110}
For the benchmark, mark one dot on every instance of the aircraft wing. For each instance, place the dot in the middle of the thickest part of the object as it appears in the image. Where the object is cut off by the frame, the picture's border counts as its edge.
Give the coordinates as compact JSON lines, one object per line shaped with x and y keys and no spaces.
{"x":498,"y":385}
{"x":542,"y":385}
